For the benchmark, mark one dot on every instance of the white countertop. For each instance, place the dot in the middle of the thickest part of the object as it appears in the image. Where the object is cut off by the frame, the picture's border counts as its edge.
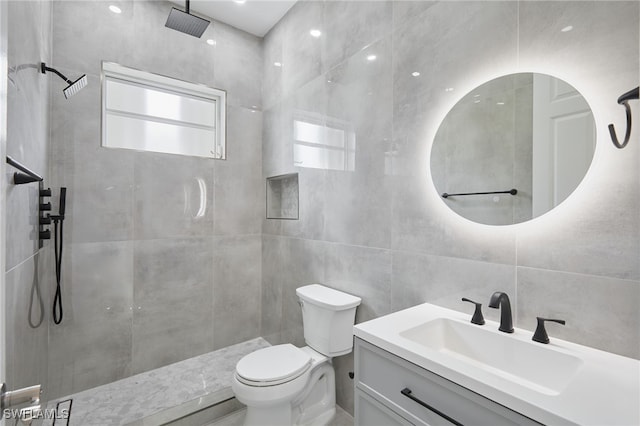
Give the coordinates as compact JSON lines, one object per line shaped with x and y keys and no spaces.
{"x":605,"y":390}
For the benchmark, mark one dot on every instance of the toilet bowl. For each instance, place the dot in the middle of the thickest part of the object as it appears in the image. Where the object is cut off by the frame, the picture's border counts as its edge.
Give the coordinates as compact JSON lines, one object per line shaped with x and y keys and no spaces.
{"x":287,"y":385}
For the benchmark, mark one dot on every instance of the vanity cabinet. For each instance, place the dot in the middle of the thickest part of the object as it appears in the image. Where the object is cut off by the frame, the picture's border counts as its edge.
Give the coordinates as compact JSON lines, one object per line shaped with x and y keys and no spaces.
{"x":392,"y":391}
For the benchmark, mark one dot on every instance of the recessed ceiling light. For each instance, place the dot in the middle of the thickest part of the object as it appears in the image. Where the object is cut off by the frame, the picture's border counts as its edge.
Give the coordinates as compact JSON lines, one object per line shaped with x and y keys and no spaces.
{"x":371,"y":58}
{"x":415,"y":73}
{"x":315,"y":33}
{"x":476,"y":101}
{"x":277,"y":64}
{"x":211,"y":42}
{"x":449,"y":89}
{"x":567,"y":28}
{"x":115,"y":9}
{"x":499,"y":103}
{"x":240,"y":1}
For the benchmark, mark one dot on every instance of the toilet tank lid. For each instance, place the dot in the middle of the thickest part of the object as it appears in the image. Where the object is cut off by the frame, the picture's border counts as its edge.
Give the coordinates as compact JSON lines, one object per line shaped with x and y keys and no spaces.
{"x":327,"y":297}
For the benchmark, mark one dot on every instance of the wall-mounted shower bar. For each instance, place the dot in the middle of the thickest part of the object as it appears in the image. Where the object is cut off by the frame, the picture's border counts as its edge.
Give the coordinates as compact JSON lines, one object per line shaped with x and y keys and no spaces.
{"x":511,"y":191}
{"x":27,"y":176}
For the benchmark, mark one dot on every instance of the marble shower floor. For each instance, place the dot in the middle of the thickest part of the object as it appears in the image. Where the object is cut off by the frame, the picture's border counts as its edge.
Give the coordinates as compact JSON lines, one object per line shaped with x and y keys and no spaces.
{"x":161,"y":395}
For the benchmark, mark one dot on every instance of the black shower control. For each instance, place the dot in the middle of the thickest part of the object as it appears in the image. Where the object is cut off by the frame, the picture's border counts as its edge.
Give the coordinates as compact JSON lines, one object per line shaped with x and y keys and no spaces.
{"x":45,"y":235}
{"x":45,"y":207}
{"x":45,"y":220}
{"x":45,"y":192}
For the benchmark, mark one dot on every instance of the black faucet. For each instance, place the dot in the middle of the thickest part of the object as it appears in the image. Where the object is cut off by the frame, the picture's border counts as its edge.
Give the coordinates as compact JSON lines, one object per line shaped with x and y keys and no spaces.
{"x":501,"y":300}
{"x":541,"y":333}
{"x":477,"y":314}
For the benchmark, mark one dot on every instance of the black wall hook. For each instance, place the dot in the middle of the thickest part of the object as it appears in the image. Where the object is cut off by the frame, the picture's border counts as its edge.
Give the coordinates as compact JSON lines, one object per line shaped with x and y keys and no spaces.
{"x":624,"y":101}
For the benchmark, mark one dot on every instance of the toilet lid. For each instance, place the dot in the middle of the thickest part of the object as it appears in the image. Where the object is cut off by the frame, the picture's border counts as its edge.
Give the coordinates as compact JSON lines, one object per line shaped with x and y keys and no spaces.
{"x":273,"y":364}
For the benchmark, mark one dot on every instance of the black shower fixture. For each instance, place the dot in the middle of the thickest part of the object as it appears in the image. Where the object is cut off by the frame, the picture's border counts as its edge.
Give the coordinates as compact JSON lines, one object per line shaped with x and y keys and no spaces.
{"x":73,"y":86}
{"x":186,"y":22}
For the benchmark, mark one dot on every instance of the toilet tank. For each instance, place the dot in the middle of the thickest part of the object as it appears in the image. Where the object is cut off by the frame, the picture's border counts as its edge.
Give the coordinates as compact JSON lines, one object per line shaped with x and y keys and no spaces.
{"x":328,"y":316}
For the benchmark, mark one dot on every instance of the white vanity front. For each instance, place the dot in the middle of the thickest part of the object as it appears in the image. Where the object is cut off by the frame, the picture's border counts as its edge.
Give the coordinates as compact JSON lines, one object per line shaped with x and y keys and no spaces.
{"x":429,"y":365}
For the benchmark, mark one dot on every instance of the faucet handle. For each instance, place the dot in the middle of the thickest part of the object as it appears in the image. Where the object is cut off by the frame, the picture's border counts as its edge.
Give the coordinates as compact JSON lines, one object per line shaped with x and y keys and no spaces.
{"x":477,"y":315}
{"x":540,"y":334}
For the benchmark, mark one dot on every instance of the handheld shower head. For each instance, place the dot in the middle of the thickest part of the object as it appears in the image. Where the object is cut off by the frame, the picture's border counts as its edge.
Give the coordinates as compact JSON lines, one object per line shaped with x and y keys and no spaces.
{"x":186,"y":22}
{"x":73,"y":87}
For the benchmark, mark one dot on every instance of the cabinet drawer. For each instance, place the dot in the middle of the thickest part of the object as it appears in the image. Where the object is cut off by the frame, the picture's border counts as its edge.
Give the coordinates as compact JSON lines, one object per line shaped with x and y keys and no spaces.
{"x":369,"y":412}
{"x":427,"y":397}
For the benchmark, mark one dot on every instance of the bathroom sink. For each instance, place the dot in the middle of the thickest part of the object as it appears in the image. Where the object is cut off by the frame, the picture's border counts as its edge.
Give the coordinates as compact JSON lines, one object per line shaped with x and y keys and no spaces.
{"x":536,"y":366}
{"x":556,"y":383}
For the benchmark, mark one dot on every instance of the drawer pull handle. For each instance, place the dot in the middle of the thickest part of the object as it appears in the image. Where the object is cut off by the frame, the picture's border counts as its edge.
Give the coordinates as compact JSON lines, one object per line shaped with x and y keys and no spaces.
{"x":407,"y":392}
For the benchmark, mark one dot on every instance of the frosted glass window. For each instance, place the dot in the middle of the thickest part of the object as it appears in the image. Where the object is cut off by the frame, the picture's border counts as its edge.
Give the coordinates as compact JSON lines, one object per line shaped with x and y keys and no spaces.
{"x":149,"y":112}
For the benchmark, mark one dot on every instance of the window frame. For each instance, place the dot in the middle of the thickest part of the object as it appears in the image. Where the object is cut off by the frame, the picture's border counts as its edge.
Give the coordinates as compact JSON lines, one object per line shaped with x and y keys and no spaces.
{"x":111,"y":71}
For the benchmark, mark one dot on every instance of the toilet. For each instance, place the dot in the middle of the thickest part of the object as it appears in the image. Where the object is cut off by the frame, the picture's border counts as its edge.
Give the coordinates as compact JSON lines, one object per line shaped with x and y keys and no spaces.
{"x":285,"y":385}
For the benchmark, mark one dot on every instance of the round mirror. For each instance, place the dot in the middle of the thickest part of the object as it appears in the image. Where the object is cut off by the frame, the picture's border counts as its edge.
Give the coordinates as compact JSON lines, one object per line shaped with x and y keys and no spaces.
{"x":513,"y":148}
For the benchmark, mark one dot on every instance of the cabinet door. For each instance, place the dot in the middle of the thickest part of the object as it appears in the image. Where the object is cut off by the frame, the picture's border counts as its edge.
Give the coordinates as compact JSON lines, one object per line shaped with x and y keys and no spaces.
{"x":369,"y":412}
{"x":422,"y":396}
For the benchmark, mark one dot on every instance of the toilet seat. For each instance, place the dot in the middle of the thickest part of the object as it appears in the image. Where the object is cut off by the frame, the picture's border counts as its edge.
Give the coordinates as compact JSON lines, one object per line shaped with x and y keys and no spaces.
{"x":273,"y":365}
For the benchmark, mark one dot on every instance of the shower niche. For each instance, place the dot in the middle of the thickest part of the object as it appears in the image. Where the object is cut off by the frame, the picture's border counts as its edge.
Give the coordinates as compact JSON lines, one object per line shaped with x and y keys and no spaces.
{"x":283,"y":197}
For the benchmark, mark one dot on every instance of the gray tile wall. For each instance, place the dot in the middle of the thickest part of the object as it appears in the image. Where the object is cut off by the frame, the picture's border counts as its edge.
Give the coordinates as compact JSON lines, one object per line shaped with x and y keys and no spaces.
{"x":147,"y":281}
{"x":29,"y":270}
{"x":382,"y":232}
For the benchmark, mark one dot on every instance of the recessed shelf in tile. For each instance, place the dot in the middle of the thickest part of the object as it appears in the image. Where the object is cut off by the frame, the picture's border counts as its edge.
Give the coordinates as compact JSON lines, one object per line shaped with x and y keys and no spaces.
{"x":283,"y":197}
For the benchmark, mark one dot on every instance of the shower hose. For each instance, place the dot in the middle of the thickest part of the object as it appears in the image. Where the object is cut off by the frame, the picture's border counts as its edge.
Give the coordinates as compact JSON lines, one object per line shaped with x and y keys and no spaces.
{"x":57,"y":243}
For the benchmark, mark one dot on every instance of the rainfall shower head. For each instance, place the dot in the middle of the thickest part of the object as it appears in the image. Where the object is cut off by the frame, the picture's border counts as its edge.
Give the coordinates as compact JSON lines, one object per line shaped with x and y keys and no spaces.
{"x":186,"y":22}
{"x":73,"y":87}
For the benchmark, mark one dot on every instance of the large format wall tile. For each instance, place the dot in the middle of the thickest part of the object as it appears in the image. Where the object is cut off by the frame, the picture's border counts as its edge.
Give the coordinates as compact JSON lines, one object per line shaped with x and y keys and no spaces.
{"x":92,"y":344}
{"x":99,"y":181}
{"x":173,"y":196}
{"x":26,"y":346}
{"x":302,"y":59}
{"x":237,"y":65}
{"x":238,"y":185}
{"x":28,"y":268}
{"x":356,"y":204}
{"x":303,"y":263}
{"x":168,"y":206}
{"x":600,"y":312}
{"x":28,"y":33}
{"x":350,"y":26}
{"x":271,"y":305}
{"x":173,"y":293}
{"x":596,"y":230}
{"x":388,"y":206}
{"x":237,"y":285}
{"x":87,"y":33}
{"x":361,"y":271}
{"x":444,"y":281}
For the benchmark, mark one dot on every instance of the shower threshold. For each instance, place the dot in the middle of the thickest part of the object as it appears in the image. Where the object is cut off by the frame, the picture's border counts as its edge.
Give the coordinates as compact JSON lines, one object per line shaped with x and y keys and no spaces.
{"x":194,"y":392}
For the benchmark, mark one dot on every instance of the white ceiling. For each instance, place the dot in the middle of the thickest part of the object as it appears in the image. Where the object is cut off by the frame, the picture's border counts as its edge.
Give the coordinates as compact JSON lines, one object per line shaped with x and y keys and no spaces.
{"x":254,"y":16}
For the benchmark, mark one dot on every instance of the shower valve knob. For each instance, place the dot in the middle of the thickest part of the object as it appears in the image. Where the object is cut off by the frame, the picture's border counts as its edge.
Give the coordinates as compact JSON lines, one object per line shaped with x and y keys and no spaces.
{"x":45,"y":235}
{"x":45,"y":220}
{"x":45,"y":192}
{"x":45,"y":207}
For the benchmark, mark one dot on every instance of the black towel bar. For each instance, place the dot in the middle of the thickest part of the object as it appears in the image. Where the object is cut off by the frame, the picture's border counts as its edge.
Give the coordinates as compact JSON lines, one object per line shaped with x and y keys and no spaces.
{"x":511,"y":191}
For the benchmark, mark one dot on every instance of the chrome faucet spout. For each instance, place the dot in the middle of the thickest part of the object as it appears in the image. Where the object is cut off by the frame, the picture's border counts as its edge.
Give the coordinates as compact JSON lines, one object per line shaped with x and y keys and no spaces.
{"x":500,"y":300}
